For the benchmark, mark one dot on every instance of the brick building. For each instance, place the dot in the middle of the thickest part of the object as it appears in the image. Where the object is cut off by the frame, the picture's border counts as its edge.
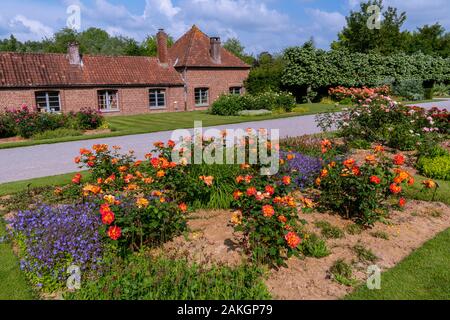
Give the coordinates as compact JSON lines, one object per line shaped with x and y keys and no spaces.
{"x":188,"y":76}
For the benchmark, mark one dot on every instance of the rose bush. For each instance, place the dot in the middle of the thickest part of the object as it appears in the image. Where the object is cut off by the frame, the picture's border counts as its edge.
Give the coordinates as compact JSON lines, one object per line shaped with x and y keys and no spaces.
{"x":360,"y":192}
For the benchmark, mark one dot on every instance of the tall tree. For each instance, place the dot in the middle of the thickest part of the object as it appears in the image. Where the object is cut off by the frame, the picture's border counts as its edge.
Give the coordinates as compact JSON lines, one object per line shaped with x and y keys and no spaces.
{"x":431,"y":40}
{"x":358,"y":37}
{"x":235,"y":46}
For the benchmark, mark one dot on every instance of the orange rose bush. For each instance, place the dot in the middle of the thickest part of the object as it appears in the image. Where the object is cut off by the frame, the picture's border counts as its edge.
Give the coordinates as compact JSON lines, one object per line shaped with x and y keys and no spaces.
{"x":267,"y":217}
{"x":360,"y":191}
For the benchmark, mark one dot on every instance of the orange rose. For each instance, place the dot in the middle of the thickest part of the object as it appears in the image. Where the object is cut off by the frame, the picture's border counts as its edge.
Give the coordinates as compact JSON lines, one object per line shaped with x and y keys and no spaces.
{"x":429,"y":184}
{"x":349,"y":163}
{"x":395,"y":189}
{"x":287,"y":180}
{"x":183,"y":207}
{"x":292,"y":239}
{"x":268,"y":211}
{"x":108,"y":218}
{"x":371,"y":159}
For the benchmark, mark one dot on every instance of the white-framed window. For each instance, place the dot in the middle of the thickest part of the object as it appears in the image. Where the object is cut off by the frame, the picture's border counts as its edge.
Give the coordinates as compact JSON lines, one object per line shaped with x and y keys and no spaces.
{"x":236,"y":90}
{"x":201,"y":97}
{"x":108,"y":100}
{"x":157,"y":98}
{"x":48,"y":101}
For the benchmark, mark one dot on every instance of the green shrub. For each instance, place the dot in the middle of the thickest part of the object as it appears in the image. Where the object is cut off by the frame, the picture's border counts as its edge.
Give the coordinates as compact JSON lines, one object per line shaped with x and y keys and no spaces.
{"x":411,"y":89}
{"x":364,"y":254}
{"x":58,"y":133}
{"x":441,"y":90}
{"x":28,"y":122}
{"x":354,"y":229}
{"x":231,"y":105}
{"x":341,"y":272}
{"x":219,"y":195}
{"x":315,"y":247}
{"x":400,"y":137}
{"x":436,"y":168}
{"x":7,"y":126}
{"x":360,"y":144}
{"x":87,"y":119}
{"x":329,"y":231}
{"x":145,"y":278}
{"x":380,"y":235}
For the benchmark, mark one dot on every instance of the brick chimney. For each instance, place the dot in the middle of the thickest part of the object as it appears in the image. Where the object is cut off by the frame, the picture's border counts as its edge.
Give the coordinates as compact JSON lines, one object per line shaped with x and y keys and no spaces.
{"x":163,"y":51}
{"x":74,"y":53}
{"x":215,"y":49}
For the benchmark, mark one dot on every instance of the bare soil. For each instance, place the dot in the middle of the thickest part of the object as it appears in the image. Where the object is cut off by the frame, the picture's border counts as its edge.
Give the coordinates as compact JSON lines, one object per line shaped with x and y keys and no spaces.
{"x":12,"y":139}
{"x":211,"y":239}
{"x":97,"y":131}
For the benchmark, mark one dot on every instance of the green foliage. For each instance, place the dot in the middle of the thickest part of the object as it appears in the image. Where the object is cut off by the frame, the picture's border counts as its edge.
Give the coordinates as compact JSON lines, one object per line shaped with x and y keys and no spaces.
{"x":411,"y":89}
{"x":91,"y":40}
{"x":441,"y":90}
{"x":341,"y":272}
{"x":360,"y":144}
{"x":357,"y":37}
{"x":380,"y":235}
{"x":217,"y":196}
{"x":235,"y":47}
{"x":365,"y":255}
{"x":307,"y":66}
{"x":142,"y":277}
{"x":7,"y":125}
{"x":354,"y":229}
{"x":61,"y":132}
{"x":315,"y":247}
{"x":266,"y":76}
{"x":435,"y":167}
{"x":231,"y":105}
{"x":329,"y":231}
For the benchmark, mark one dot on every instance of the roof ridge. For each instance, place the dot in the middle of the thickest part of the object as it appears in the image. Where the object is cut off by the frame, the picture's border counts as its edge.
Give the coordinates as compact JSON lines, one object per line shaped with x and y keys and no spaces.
{"x":65,"y":54}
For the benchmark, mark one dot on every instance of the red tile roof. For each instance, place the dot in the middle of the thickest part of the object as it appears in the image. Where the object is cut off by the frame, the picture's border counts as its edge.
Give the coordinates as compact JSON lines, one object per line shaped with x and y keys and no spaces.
{"x":47,"y":70}
{"x":193,"y":50}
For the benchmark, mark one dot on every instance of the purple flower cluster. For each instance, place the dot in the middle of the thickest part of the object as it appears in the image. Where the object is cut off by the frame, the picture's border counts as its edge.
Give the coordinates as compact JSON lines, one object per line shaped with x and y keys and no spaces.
{"x":303,"y":169}
{"x":53,"y":238}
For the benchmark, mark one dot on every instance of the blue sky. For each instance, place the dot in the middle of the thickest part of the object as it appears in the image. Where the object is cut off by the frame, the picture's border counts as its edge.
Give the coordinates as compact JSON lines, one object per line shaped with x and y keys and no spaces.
{"x":260,"y":24}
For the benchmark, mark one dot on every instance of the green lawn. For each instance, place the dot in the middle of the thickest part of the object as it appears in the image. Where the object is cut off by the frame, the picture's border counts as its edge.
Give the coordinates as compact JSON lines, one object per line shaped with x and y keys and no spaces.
{"x":59,"y":180}
{"x":146,"y":123}
{"x":424,"y":275}
{"x":13,"y":285}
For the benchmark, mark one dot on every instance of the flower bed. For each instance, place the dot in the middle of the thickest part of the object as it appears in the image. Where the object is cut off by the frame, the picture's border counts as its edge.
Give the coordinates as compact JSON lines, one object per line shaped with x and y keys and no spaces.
{"x":26,"y":122}
{"x":127,"y":209}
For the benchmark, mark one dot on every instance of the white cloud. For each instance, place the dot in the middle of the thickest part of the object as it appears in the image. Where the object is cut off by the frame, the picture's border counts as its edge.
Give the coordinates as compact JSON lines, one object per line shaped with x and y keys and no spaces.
{"x":36,"y":27}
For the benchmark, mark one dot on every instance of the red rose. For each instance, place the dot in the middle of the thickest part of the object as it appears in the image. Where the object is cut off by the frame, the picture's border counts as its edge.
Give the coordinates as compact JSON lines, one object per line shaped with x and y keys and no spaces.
{"x":114,"y":233}
{"x":270,"y":190}
{"x":399,"y":160}
{"x":375,"y":180}
{"x":251,"y":191}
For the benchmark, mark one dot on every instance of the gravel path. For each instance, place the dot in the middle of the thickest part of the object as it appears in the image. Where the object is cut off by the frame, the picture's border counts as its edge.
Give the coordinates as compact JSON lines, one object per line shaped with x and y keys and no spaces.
{"x":53,"y":159}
